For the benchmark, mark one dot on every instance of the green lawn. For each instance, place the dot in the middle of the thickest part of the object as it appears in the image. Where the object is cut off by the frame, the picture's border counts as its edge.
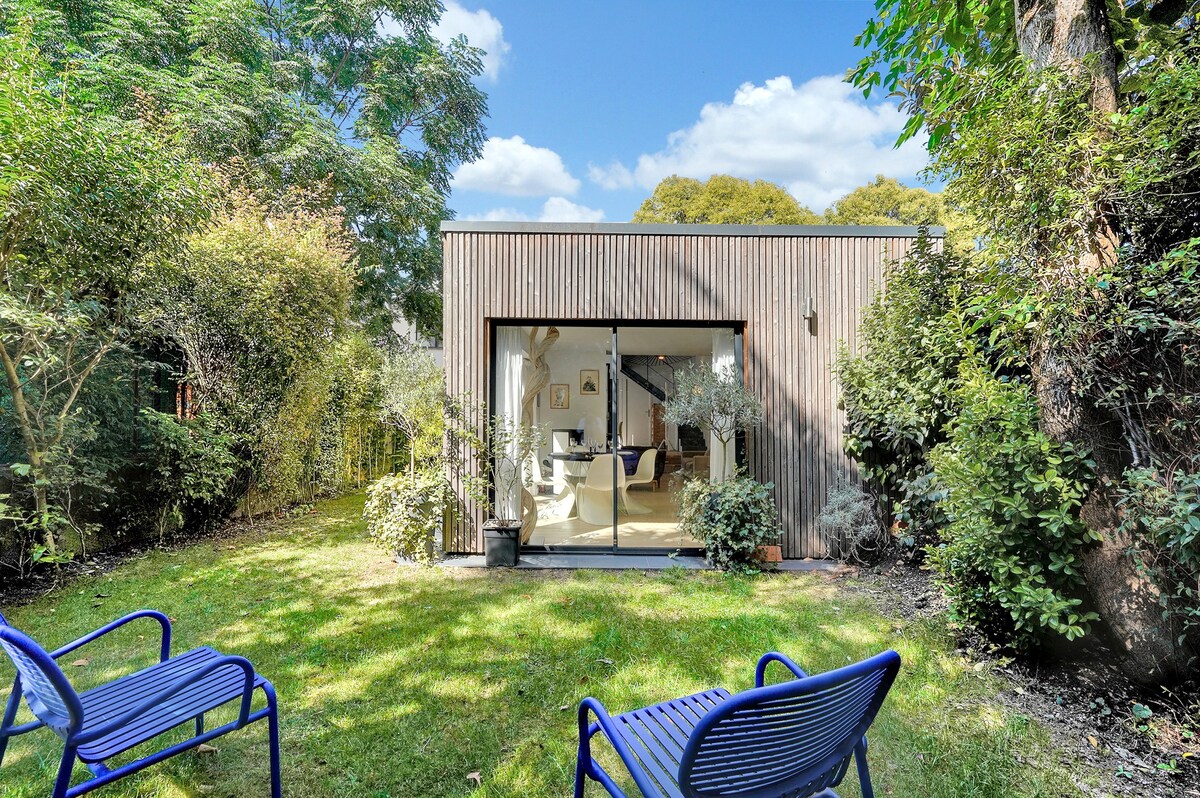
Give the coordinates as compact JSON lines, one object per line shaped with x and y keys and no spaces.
{"x":394,"y":682}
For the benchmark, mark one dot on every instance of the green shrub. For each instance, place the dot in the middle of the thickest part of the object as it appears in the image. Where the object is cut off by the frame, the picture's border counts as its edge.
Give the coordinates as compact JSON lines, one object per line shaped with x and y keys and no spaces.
{"x":851,"y":526}
{"x":192,"y":466}
{"x":1162,"y":517}
{"x":1012,"y":496}
{"x":404,"y":513}
{"x":899,"y":390}
{"x":732,"y":517}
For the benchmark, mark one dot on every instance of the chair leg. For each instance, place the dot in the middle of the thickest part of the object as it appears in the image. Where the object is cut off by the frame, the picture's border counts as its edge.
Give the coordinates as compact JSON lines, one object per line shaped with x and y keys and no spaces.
{"x":864,"y":774}
{"x":273,"y":733}
{"x":10,"y":715}
{"x":579,"y":775}
{"x":63,"y":782}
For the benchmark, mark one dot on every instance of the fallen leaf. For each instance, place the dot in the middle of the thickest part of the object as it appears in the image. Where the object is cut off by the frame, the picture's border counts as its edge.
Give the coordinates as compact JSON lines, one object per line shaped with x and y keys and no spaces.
{"x":475,"y":777}
{"x":604,"y":661}
{"x":204,"y":748}
{"x":564,"y":707}
{"x":80,"y":663}
{"x":104,"y":595}
{"x":1095,"y":743}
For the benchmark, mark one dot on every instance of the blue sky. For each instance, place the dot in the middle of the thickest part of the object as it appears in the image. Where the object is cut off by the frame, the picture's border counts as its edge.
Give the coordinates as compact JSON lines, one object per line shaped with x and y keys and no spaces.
{"x":592,"y":103}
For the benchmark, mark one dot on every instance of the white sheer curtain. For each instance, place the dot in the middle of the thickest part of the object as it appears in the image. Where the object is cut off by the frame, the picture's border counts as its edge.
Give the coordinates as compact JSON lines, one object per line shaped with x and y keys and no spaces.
{"x":510,"y":362}
{"x":721,"y":462}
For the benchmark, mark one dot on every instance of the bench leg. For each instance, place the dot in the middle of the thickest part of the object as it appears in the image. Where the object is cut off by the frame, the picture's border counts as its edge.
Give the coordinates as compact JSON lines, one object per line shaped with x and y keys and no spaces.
{"x":199,"y":724}
{"x":273,"y":733}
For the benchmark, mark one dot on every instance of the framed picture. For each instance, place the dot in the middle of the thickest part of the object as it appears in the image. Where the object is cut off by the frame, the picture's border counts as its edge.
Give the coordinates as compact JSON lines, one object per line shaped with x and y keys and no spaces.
{"x":589,"y":382}
{"x":560,"y":396}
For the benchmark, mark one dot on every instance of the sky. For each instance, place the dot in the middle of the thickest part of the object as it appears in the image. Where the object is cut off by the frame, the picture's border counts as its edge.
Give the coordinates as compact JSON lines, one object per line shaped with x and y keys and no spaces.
{"x":591,"y":104}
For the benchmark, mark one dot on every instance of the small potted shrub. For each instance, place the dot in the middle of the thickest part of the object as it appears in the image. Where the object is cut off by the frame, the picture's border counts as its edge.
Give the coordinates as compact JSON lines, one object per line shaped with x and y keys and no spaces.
{"x":504,"y":454}
{"x":735,"y":518}
{"x":404,"y":514}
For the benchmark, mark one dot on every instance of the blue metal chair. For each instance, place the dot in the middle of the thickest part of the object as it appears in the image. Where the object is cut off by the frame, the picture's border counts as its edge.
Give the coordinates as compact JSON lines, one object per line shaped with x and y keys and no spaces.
{"x":108,"y":720}
{"x":788,"y":740}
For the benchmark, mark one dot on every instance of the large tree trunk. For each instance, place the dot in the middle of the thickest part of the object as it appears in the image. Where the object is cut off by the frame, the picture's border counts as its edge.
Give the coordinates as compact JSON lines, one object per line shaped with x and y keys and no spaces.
{"x":1075,"y":35}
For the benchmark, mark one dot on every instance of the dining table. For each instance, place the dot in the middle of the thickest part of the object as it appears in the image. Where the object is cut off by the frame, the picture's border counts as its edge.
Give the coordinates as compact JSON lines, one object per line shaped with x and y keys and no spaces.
{"x":575,"y":471}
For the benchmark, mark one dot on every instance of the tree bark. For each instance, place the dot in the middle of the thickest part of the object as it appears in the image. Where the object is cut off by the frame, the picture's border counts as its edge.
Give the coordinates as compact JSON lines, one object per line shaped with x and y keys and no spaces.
{"x":32,"y":450}
{"x":1074,"y":35}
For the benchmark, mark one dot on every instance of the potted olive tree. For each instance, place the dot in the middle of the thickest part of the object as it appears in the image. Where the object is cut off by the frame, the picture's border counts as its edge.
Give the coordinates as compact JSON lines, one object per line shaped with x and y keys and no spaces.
{"x":715,"y":401}
{"x":732,"y":513}
{"x":505,"y":450}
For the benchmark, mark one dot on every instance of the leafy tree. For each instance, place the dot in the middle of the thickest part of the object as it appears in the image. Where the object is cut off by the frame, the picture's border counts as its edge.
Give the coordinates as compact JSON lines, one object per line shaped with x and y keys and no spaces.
{"x":1060,"y":122}
{"x":257,"y":305}
{"x":885,"y":201}
{"x":358,"y":97}
{"x":722,"y":200}
{"x":91,"y":204}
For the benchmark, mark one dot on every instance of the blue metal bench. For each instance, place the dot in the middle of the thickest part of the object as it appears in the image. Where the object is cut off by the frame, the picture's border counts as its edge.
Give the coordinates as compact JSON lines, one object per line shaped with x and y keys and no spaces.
{"x":113,"y":718}
{"x":788,"y":740}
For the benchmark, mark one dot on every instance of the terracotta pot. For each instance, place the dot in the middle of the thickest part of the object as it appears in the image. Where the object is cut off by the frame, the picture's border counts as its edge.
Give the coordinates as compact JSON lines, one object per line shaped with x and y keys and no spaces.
{"x":770,"y":554}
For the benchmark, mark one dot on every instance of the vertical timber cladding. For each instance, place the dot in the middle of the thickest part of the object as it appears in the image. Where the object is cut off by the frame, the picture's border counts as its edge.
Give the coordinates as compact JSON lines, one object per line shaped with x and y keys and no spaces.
{"x":761,"y":276}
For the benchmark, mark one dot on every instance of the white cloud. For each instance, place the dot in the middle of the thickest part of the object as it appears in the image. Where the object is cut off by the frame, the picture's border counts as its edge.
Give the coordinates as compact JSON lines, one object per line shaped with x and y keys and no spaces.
{"x":560,"y":209}
{"x":481,"y":29}
{"x":555,"y":209}
{"x":512,"y":167}
{"x":819,"y":139}
{"x":497,"y":215}
{"x":615,"y":175}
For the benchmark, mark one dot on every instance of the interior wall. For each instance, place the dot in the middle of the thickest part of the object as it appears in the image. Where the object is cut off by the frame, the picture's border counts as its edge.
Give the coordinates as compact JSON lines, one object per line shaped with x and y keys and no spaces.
{"x":588,"y":412}
{"x":635,"y":413}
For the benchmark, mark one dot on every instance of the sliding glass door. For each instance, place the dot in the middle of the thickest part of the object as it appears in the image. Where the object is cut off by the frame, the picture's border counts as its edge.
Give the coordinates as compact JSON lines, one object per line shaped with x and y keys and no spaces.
{"x":608,"y":474}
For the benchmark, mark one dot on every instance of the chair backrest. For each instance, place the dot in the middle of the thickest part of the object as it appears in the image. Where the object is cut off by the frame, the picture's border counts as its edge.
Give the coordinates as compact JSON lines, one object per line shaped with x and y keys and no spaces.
{"x":794,"y":738}
{"x":46,"y":690}
{"x":645,"y":467}
{"x":600,"y":473}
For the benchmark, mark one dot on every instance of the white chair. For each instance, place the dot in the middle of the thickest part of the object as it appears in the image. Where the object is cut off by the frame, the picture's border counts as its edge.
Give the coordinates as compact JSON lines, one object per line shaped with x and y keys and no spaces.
{"x":645,"y":470}
{"x":595,"y":495}
{"x":643,"y":476}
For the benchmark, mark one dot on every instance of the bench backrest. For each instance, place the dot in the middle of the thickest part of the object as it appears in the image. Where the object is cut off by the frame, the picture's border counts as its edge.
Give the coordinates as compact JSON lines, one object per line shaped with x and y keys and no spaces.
{"x":794,"y":738}
{"x":46,"y":690}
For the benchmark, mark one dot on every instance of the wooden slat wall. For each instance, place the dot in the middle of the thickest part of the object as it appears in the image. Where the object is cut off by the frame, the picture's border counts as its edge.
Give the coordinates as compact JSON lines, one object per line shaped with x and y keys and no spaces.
{"x":763,"y":281}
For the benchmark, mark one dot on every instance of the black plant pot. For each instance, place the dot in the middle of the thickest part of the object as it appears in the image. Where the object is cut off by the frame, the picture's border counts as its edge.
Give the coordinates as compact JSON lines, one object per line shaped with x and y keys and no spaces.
{"x":501,"y":544}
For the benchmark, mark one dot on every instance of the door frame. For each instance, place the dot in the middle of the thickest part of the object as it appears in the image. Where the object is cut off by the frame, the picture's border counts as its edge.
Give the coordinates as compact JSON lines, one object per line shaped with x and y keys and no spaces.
{"x":613,"y":408}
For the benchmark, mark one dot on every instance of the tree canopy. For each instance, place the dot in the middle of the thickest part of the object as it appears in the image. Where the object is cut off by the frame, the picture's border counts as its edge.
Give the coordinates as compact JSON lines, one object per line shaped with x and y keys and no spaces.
{"x":722,"y":200}
{"x":358,"y":97}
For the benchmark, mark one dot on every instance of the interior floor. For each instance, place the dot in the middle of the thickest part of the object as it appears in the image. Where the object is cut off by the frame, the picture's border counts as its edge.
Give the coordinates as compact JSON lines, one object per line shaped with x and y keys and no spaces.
{"x":658,"y":528}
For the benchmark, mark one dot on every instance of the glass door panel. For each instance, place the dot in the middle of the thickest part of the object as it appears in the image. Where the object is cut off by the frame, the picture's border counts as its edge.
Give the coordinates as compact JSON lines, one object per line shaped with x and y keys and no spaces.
{"x":565,"y":390}
{"x":657,"y":457}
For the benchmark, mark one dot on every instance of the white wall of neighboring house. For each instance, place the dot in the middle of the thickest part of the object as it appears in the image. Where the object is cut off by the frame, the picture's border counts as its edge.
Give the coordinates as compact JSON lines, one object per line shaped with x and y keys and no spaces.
{"x":408,"y":331}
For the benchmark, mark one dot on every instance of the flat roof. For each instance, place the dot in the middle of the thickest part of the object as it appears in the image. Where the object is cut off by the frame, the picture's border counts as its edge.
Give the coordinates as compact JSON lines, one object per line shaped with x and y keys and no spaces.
{"x":620,"y":228}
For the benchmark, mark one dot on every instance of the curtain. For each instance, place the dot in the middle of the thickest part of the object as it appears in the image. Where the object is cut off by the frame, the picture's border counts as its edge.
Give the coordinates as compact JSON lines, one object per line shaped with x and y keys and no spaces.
{"x":721,"y":462}
{"x":510,"y":361}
